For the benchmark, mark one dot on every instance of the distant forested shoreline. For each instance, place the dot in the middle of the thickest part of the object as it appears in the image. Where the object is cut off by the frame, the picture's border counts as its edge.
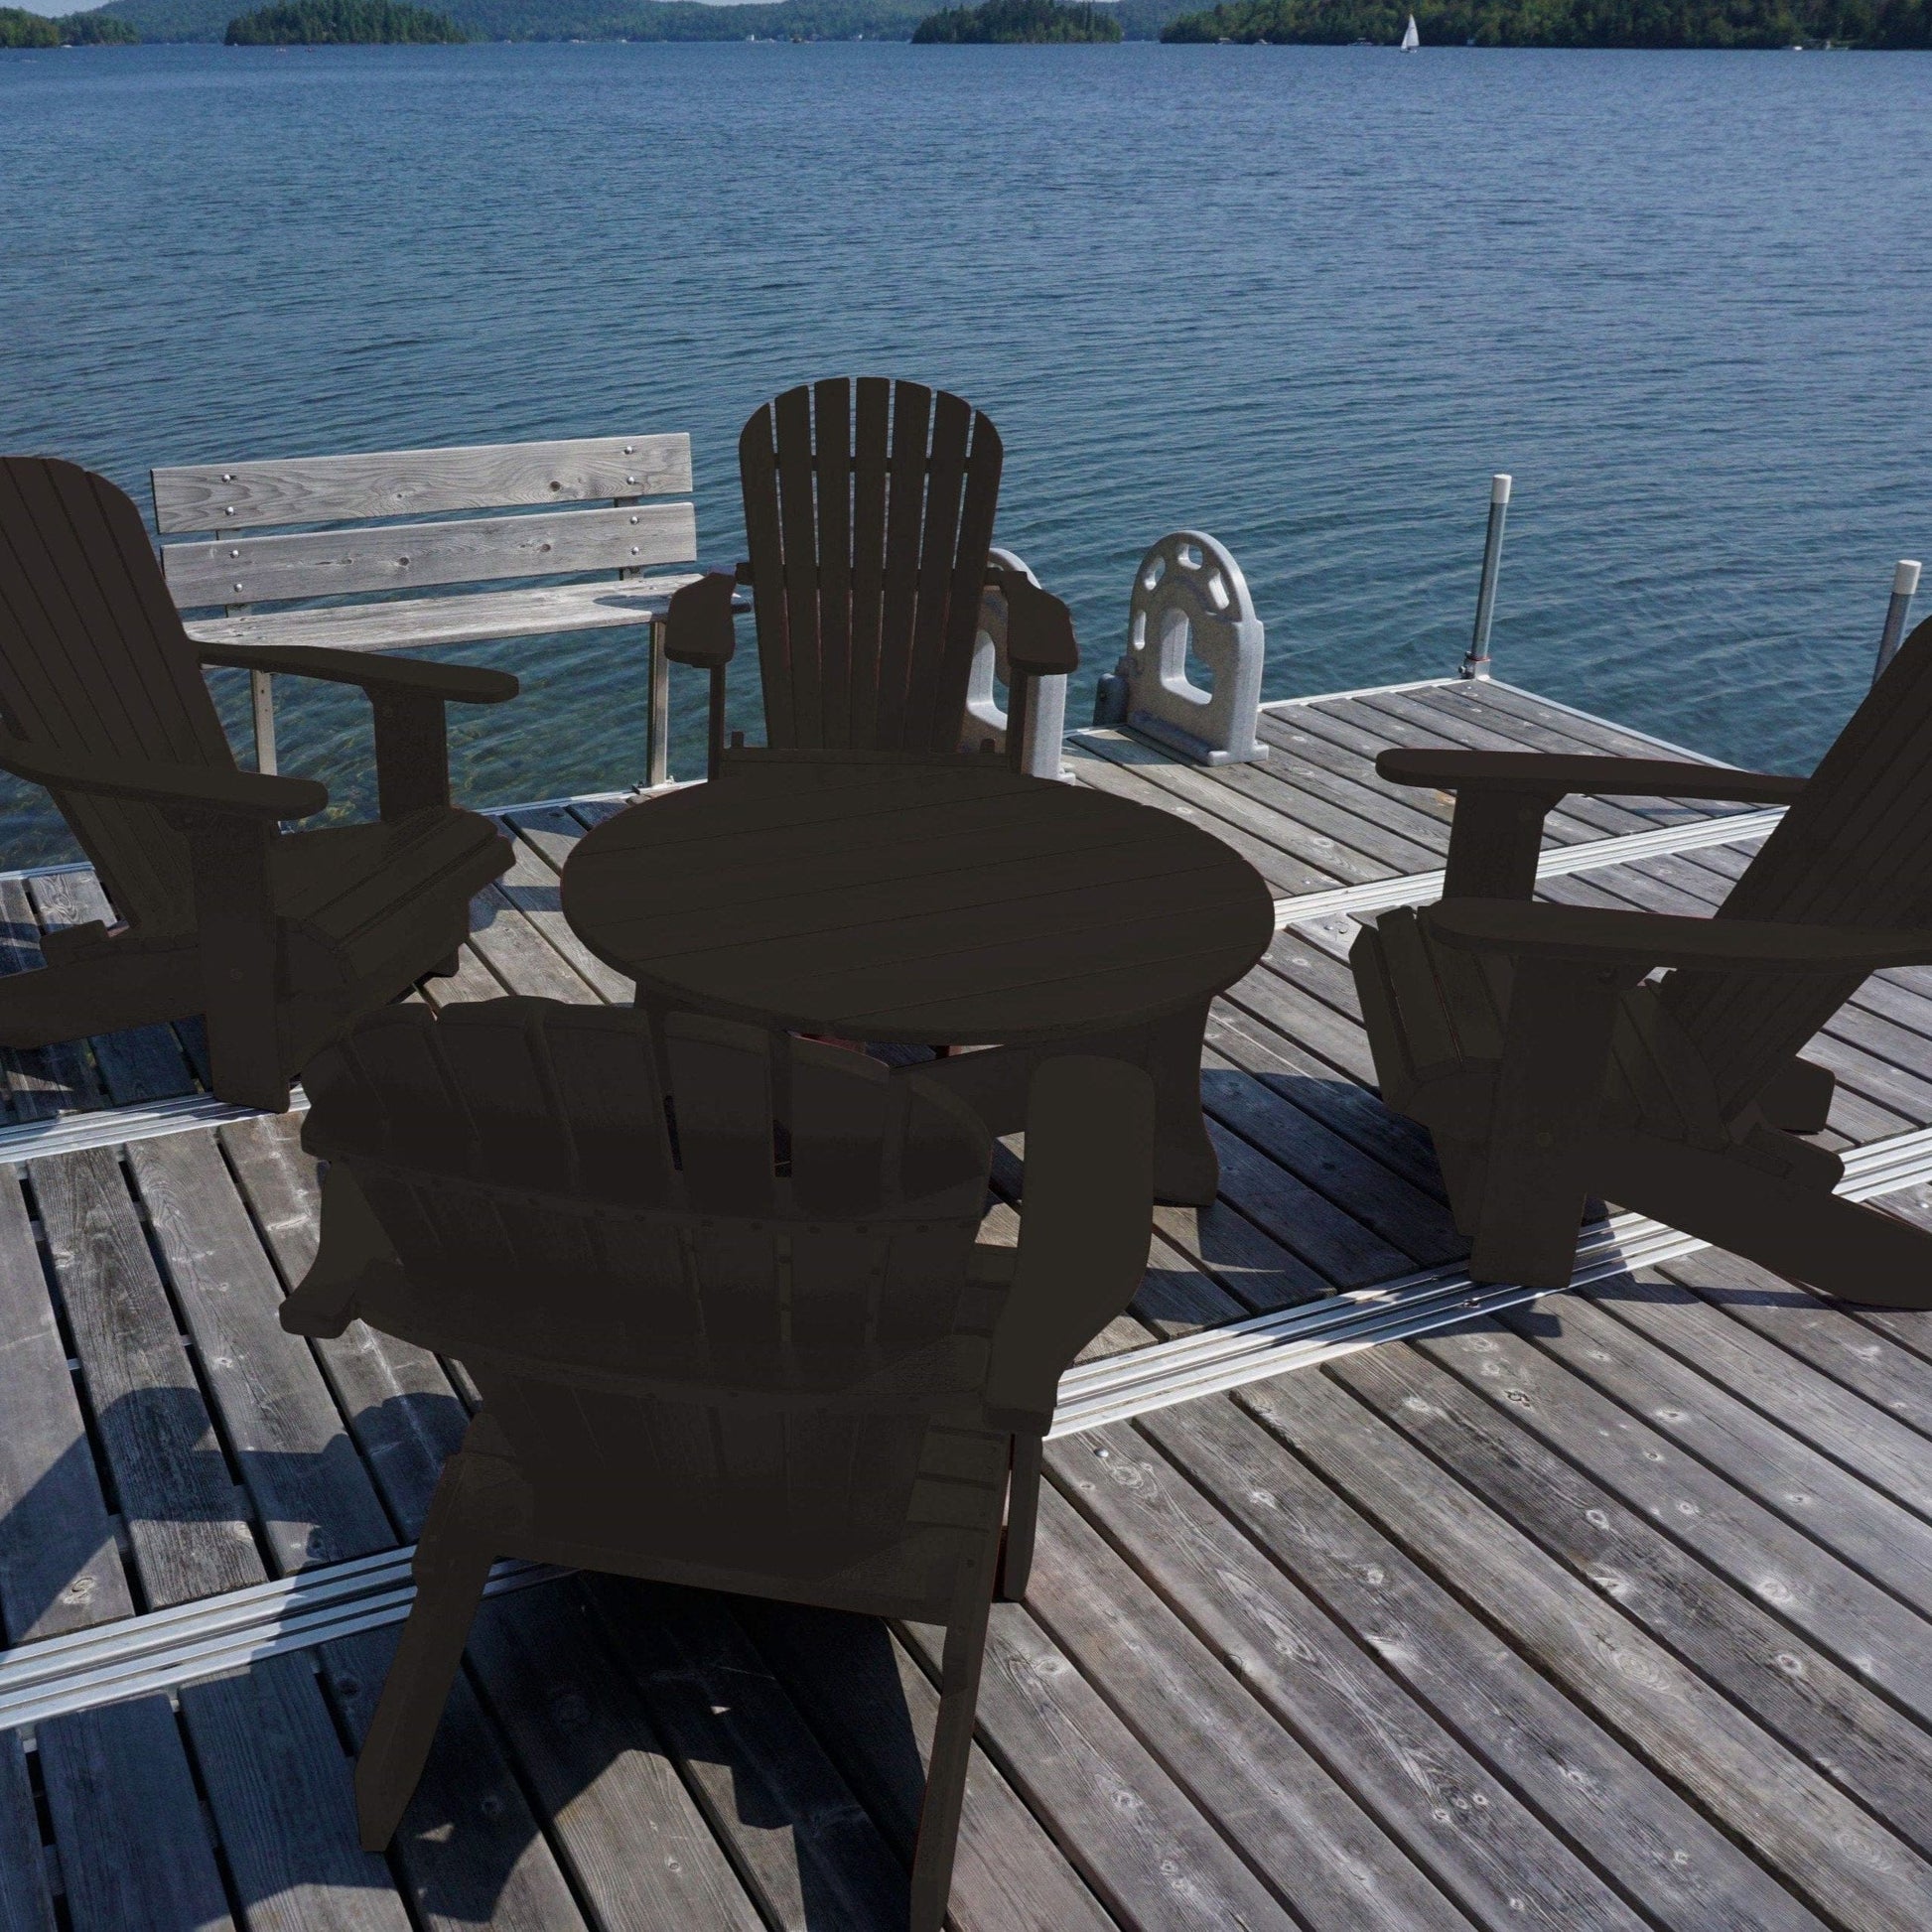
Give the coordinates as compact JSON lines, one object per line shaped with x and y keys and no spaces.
{"x":1679,"y":24}
{"x":1683,"y":24}
{"x":19,"y":28}
{"x":343,"y":23}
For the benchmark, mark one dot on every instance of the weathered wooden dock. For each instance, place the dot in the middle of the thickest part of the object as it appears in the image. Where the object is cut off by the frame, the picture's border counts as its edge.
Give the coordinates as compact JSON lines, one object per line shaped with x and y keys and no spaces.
{"x":1613,"y":1610}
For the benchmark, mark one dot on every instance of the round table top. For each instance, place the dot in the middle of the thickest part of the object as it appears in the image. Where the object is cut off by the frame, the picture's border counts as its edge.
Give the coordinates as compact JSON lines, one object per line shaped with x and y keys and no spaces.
{"x":890,"y":901}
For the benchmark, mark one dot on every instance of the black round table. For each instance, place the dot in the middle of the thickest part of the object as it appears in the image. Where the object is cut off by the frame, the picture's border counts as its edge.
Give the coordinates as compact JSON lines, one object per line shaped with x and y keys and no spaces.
{"x":894,"y":900}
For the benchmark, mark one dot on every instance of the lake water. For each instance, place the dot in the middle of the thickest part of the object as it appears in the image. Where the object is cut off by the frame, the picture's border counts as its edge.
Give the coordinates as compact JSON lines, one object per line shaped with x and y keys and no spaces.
{"x":1306,"y":298}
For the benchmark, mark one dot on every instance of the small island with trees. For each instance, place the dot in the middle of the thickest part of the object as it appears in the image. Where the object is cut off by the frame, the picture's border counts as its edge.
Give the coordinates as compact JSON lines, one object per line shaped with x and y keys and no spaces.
{"x":1017,"y":22}
{"x":342,"y":23}
{"x":19,"y":28}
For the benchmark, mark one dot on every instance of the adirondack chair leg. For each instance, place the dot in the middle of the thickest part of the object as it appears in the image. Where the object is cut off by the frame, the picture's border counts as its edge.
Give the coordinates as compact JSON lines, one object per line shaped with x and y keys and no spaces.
{"x":1495,"y":839}
{"x":952,"y":1746}
{"x":1462,"y":1163}
{"x":1548,"y":1091}
{"x":451,"y":1569}
{"x":240,"y":958}
{"x":1023,"y":1515}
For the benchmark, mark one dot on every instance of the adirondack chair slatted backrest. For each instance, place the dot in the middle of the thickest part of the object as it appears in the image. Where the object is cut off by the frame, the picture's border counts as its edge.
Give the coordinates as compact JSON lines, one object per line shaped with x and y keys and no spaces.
{"x":737,"y":1261}
{"x":1855,"y":850}
{"x":869,"y":509}
{"x":93,"y":660}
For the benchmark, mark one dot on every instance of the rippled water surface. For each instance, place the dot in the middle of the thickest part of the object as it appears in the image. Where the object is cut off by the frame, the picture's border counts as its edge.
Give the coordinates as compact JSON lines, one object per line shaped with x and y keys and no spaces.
{"x":1304,"y":298}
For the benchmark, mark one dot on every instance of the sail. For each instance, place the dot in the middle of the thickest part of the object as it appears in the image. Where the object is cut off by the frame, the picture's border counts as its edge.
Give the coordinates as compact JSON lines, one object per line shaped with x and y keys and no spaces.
{"x":1411,"y":40}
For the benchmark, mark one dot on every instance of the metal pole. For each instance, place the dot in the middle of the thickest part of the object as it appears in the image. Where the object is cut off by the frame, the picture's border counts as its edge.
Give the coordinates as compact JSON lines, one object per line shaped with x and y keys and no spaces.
{"x":1476,"y":663}
{"x":261,"y":702}
{"x":657,"y":766}
{"x":1905,"y":587}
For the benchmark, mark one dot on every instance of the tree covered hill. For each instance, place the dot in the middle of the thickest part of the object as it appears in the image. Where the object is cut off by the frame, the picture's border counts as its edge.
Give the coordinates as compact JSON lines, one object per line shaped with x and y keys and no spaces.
{"x":342,"y":23}
{"x":636,"y":20}
{"x":1567,"y":23}
{"x":1009,"y":23}
{"x":19,"y":28}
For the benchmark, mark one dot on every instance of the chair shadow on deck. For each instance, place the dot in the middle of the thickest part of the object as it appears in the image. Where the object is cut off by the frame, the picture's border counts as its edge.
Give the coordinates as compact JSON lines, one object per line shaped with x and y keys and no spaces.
{"x":720,"y":1719}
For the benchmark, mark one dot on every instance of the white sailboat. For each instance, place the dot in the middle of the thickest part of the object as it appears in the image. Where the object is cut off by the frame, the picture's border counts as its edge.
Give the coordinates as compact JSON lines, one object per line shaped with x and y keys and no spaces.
{"x":1411,"y":40}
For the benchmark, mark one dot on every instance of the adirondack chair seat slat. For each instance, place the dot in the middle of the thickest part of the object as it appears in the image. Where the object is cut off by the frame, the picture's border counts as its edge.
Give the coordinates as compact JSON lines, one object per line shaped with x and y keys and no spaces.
{"x":279,"y":938}
{"x":339,"y":889}
{"x":780,"y":1363}
{"x":1529,"y":1040}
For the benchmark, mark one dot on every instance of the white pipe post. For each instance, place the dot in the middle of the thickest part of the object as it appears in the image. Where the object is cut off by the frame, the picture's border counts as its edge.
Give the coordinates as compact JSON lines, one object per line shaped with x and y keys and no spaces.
{"x":1476,"y":663}
{"x":1905,"y":587}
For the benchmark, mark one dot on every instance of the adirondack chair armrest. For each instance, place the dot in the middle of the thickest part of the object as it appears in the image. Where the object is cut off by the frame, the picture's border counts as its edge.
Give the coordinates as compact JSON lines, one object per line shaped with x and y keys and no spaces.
{"x":699,"y":627}
{"x":1636,"y":942}
{"x":199,"y":787}
{"x":1040,"y":626}
{"x":1555,"y":774}
{"x":373,"y":672}
{"x":1085,"y":1217}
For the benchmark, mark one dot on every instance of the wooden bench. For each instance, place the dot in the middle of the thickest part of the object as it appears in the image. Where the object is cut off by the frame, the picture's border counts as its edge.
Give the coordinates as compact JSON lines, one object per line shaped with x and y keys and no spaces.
{"x":416,"y":548}
{"x":408,"y":549}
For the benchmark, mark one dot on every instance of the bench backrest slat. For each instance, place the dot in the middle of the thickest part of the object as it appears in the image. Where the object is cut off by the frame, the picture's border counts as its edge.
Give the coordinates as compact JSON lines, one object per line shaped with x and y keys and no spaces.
{"x":418,"y":482}
{"x":408,"y":556}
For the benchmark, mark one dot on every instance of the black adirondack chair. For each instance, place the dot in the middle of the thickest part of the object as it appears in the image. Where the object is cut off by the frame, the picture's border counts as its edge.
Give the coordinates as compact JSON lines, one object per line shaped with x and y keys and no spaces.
{"x":722,"y":1295}
{"x":869,"y":516}
{"x":278,"y":937}
{"x":1530,"y":1040}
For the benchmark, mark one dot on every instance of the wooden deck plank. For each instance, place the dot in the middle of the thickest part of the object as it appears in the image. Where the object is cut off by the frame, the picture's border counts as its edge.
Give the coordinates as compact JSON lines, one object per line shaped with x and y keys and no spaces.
{"x":1348,"y":738}
{"x":135,"y":1855}
{"x":1320,"y":1676}
{"x":1797,"y":1400}
{"x":1463,"y":726}
{"x":1394,"y":1141}
{"x":637,"y":1846}
{"x":874,"y":1711}
{"x":278,"y":1786}
{"x":1147,"y":1854}
{"x":530,"y":885}
{"x":1286,"y":875}
{"x":142,"y":1063}
{"x":41,"y":1081}
{"x":26,"y":1903}
{"x":1411,"y":1221}
{"x":186,"y":1519}
{"x":1818,"y":1842}
{"x":1652,"y":1844}
{"x":1324,"y":1858}
{"x":469,"y":1851}
{"x":1300,"y":823}
{"x":1817,"y":1708}
{"x":401,"y":1409}
{"x":314,"y":1501}
{"x":803,"y":1842}
{"x":1780,"y":1520}
{"x":1831,"y":1339}
{"x":59,"y":1570}
{"x":1557,"y":732}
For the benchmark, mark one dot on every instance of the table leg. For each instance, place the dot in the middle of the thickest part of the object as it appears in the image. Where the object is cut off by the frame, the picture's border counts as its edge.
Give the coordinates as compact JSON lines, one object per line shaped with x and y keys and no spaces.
{"x":1186,"y":1171}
